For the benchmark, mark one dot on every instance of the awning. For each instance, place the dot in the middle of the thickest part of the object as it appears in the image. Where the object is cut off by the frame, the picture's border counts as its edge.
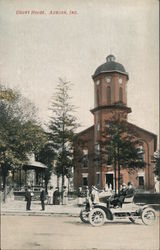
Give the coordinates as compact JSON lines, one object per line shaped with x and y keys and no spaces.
{"x":32,"y":164}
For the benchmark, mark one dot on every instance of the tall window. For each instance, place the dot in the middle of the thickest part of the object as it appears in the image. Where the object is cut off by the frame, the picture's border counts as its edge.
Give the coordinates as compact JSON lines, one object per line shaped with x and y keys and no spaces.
{"x":97,"y":148}
{"x":108,"y":95}
{"x":141,"y":153}
{"x":98,"y":126}
{"x":97,"y":97}
{"x":97,"y":154}
{"x":120,"y":94}
{"x":98,"y":178}
{"x":85,"y":158}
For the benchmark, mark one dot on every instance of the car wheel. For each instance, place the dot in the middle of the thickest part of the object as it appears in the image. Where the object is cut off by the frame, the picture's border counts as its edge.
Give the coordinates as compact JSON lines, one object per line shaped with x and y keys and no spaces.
{"x":84,"y":216}
{"x":148,"y":216}
{"x":97,"y":217}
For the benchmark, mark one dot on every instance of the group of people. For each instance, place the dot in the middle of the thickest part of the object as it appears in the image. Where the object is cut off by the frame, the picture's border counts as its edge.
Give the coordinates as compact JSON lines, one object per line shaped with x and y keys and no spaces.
{"x":52,"y":197}
{"x":28,"y":197}
{"x":95,"y":194}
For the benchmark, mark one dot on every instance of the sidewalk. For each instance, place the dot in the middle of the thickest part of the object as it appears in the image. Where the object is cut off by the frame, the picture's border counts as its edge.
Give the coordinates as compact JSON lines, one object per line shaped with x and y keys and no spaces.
{"x":16,"y":207}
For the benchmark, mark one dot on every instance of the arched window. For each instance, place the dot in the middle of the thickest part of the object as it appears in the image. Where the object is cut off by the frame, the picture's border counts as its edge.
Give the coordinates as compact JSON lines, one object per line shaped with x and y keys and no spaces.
{"x":120,"y":94}
{"x":108,"y":95}
{"x":97,"y":97}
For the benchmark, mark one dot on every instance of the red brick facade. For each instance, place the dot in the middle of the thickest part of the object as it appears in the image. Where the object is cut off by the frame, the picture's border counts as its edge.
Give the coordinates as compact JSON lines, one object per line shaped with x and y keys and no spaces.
{"x":110,"y":99}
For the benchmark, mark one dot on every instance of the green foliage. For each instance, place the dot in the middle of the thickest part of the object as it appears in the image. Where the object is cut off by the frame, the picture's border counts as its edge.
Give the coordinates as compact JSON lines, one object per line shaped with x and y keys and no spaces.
{"x":119,"y":147}
{"x":6,"y":94}
{"x":62,"y":129}
{"x":20,"y":134}
{"x":120,"y":143}
{"x":157,"y":164}
{"x":47,"y":156}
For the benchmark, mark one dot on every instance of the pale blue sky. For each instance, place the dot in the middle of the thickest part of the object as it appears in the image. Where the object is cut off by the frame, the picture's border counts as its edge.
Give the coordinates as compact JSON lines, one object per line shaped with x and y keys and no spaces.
{"x":36,"y":50}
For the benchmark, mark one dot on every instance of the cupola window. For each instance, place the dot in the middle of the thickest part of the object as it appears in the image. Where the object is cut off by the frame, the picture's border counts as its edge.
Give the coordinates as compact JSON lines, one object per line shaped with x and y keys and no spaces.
{"x":108,"y":95}
{"x":97,"y":97}
{"x":120,"y":94}
{"x":108,"y":79}
{"x":98,"y":82}
{"x":120,"y":80}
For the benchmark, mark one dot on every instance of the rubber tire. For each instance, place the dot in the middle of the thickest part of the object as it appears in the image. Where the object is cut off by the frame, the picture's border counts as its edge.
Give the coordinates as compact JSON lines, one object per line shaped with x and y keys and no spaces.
{"x":144,"y":213}
{"x":85,"y":218}
{"x":99,"y":212}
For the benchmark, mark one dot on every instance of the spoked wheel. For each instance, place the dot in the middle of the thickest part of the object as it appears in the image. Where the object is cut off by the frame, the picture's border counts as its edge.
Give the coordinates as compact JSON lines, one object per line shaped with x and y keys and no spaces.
{"x":97,"y":217}
{"x":84,"y":216}
{"x":148,"y":216}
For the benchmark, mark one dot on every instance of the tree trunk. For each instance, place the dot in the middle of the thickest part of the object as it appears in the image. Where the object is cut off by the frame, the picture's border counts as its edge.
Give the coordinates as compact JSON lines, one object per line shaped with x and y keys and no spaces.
{"x":115,"y":178}
{"x":58,"y":182}
{"x":20,"y":178}
{"x":119,"y":174}
{"x":13,"y":171}
{"x":62,"y":187}
{"x":119,"y":177}
{"x":4,"y":187}
{"x":4,"y":178}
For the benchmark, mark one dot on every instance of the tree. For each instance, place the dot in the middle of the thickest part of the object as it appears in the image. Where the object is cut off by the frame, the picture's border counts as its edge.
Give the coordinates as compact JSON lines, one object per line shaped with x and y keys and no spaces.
{"x":157,"y":164}
{"x":47,"y":156}
{"x":6,"y":94}
{"x":20,"y":134}
{"x":62,"y":129}
{"x":119,"y":147}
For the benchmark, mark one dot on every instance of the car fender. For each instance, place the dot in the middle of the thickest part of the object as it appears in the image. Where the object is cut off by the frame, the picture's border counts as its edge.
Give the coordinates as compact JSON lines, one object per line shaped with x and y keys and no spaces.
{"x":147,"y":205}
{"x":141,"y":208}
{"x":107,"y":211}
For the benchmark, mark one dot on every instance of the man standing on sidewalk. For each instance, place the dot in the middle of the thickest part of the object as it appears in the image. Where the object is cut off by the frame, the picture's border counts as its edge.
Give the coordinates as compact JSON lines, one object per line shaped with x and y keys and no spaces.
{"x":42,"y":198}
{"x":28,"y":198}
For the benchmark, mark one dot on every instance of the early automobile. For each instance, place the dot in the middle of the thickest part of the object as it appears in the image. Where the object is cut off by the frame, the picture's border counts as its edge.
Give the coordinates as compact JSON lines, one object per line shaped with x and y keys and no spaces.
{"x":114,"y":206}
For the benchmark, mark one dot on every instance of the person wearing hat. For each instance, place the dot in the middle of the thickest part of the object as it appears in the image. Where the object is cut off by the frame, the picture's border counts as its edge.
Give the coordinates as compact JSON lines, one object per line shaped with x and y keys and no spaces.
{"x":28,"y":198}
{"x":95,"y":195}
{"x":56,"y":197}
{"x":65,"y":195}
{"x":42,"y":198}
{"x":50,"y":195}
{"x":124,"y":189}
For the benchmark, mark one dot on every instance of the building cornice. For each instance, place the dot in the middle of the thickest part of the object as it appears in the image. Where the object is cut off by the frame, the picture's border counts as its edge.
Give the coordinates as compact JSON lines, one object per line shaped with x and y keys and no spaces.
{"x":114,"y":106}
{"x":111,"y":71}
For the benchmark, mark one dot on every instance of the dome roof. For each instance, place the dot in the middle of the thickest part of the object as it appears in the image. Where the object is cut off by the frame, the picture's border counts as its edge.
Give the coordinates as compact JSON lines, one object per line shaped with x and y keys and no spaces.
{"x":110,"y":66}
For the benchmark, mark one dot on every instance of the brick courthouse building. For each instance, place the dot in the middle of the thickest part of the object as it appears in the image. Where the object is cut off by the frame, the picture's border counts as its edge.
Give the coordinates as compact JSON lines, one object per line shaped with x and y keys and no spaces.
{"x":110,"y":96}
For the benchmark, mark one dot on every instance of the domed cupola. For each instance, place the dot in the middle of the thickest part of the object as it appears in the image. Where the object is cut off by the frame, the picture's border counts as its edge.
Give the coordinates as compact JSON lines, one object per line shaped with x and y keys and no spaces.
{"x":110,"y":66}
{"x":110,"y":89}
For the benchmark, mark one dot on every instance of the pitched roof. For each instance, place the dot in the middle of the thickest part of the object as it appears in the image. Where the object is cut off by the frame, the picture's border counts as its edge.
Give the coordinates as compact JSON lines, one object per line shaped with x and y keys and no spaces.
{"x":147,"y":132}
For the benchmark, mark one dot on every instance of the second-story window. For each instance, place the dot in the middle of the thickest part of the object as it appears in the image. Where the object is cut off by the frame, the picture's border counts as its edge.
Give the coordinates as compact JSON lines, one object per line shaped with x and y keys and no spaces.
{"x":85,"y":158}
{"x":141,"y":153}
{"x":97,"y":154}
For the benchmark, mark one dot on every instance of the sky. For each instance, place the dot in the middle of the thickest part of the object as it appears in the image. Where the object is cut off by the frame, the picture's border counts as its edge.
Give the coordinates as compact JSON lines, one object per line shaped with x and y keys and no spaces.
{"x":36,"y":49}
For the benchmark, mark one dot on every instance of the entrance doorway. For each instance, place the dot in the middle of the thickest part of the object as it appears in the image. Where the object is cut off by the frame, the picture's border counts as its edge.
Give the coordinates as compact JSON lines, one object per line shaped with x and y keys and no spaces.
{"x":109,"y":180}
{"x":141,"y":182}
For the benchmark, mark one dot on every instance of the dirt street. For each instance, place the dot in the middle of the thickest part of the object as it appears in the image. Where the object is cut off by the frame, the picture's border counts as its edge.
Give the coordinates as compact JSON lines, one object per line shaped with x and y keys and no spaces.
{"x":46,"y":232}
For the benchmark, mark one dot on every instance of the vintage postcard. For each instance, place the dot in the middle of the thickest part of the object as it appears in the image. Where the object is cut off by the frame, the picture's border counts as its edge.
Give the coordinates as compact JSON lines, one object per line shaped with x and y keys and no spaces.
{"x":79,"y":124}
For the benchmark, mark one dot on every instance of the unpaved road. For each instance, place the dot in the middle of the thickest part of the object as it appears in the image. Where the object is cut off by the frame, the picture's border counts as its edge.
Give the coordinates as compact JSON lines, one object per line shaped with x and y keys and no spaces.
{"x":46,"y":232}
